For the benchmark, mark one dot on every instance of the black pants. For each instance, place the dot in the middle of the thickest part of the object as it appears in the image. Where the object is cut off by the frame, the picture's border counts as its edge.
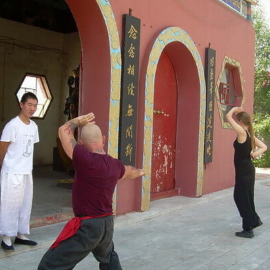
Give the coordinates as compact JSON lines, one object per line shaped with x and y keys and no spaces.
{"x":244,"y":200}
{"x":95,"y":235}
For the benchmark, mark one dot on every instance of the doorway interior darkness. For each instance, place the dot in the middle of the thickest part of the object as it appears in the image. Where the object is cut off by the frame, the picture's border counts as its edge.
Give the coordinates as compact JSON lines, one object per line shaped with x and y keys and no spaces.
{"x":53,"y":15}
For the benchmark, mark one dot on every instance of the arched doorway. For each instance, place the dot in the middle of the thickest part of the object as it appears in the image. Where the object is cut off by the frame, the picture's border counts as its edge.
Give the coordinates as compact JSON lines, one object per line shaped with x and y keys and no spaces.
{"x":101,"y":65}
{"x":94,"y":26}
{"x":189,"y":72}
{"x":164,"y":130}
{"x":39,"y":39}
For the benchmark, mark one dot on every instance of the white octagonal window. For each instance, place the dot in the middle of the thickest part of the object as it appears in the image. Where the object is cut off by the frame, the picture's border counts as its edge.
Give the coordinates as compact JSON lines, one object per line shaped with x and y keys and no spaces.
{"x":38,"y":85}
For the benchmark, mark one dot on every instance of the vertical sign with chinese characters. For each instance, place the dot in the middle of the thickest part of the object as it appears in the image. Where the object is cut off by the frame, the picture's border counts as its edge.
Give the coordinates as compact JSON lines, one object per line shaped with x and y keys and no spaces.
{"x":129,"y":89}
{"x":210,"y":66}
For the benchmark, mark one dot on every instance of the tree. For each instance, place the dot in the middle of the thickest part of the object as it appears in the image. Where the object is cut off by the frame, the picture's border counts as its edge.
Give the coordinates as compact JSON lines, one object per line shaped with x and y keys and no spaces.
{"x":262,"y":75}
{"x":262,"y":81}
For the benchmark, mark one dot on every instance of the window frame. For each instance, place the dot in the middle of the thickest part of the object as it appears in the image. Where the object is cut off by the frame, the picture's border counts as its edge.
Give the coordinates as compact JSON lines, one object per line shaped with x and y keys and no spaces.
{"x":238,"y":86}
{"x":46,"y":92}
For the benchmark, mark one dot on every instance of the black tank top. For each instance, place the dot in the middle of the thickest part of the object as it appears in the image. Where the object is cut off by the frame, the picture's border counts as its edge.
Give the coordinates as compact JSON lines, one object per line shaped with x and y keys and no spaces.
{"x":242,"y":159}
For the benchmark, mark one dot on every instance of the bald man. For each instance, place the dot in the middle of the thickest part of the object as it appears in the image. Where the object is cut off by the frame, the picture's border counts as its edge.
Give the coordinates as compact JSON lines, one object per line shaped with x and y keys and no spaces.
{"x":96,"y":175}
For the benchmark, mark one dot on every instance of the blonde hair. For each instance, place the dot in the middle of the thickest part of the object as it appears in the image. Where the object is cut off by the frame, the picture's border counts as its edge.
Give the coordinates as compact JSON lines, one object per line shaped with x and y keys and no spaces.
{"x":245,"y":118}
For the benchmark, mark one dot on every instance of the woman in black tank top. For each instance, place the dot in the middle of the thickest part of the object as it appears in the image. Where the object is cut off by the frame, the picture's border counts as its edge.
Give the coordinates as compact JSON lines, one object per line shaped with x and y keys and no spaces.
{"x":246,"y":147}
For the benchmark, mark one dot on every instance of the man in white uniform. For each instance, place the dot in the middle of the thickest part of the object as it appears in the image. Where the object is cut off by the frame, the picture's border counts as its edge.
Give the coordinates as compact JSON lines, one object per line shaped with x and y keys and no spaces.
{"x":16,"y":161}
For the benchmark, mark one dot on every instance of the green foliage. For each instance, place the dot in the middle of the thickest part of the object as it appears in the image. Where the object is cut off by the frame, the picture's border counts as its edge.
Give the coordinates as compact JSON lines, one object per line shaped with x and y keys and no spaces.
{"x":262,"y":81}
{"x":262,"y":126}
{"x":264,"y":161}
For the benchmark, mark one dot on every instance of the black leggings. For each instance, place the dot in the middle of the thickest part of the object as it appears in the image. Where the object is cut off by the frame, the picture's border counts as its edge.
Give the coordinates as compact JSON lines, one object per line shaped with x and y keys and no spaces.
{"x":244,"y":200}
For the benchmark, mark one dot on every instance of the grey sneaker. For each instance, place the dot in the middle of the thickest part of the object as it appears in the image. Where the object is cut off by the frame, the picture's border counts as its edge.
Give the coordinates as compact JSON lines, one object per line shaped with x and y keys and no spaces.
{"x":245,"y":233}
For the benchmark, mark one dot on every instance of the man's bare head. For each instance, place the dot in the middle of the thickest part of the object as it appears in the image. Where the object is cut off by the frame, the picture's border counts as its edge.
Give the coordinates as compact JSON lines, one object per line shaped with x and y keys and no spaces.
{"x":91,"y":133}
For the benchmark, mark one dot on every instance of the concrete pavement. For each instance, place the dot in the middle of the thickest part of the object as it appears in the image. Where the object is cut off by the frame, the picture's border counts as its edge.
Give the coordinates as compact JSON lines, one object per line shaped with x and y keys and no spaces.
{"x":178,"y":233}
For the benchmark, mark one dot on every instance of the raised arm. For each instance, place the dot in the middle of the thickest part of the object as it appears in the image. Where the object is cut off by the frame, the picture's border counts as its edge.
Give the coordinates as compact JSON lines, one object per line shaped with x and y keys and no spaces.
{"x":66,"y":132}
{"x":132,"y":173}
{"x":241,"y":134}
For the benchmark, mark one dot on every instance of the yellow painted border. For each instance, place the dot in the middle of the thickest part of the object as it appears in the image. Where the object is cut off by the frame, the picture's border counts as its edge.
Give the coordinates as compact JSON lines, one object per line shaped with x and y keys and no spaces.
{"x":235,"y":63}
{"x":115,"y":54}
{"x":169,"y":35}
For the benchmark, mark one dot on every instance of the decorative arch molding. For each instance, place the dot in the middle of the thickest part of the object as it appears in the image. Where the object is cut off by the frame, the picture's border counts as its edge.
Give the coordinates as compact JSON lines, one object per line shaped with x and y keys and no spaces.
{"x":115,"y":54}
{"x":167,"y":36}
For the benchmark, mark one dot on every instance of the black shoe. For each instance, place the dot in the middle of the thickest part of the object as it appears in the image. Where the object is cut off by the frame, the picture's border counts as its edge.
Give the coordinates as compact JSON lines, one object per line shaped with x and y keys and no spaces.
{"x":24,"y":242}
{"x":259,"y":223}
{"x":245,"y":233}
{"x":6,"y":247}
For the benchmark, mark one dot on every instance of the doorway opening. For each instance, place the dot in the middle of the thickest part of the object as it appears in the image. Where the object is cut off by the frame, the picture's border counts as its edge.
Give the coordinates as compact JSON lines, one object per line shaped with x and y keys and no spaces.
{"x":39,"y":48}
{"x":164,"y":130}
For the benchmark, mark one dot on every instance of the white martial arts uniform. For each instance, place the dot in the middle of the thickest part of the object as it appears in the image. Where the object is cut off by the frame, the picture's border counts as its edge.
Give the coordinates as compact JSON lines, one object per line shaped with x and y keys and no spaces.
{"x":16,"y":177}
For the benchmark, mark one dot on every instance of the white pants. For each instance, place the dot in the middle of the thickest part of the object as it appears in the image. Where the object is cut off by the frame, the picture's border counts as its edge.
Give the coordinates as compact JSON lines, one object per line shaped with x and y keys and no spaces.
{"x":16,"y":203}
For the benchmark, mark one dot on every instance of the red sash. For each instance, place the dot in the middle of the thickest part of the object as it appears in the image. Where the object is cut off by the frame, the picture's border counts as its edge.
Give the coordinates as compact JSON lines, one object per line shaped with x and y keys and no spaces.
{"x":70,"y":229}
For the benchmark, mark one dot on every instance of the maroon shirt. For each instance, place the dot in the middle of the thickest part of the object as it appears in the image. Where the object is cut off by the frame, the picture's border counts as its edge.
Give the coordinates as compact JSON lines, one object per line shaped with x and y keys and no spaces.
{"x":95,"y":179}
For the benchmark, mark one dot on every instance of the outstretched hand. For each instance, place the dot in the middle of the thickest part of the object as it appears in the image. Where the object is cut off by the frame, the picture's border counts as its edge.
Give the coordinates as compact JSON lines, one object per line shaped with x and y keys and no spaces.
{"x":142,"y":172}
{"x":86,"y":119}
